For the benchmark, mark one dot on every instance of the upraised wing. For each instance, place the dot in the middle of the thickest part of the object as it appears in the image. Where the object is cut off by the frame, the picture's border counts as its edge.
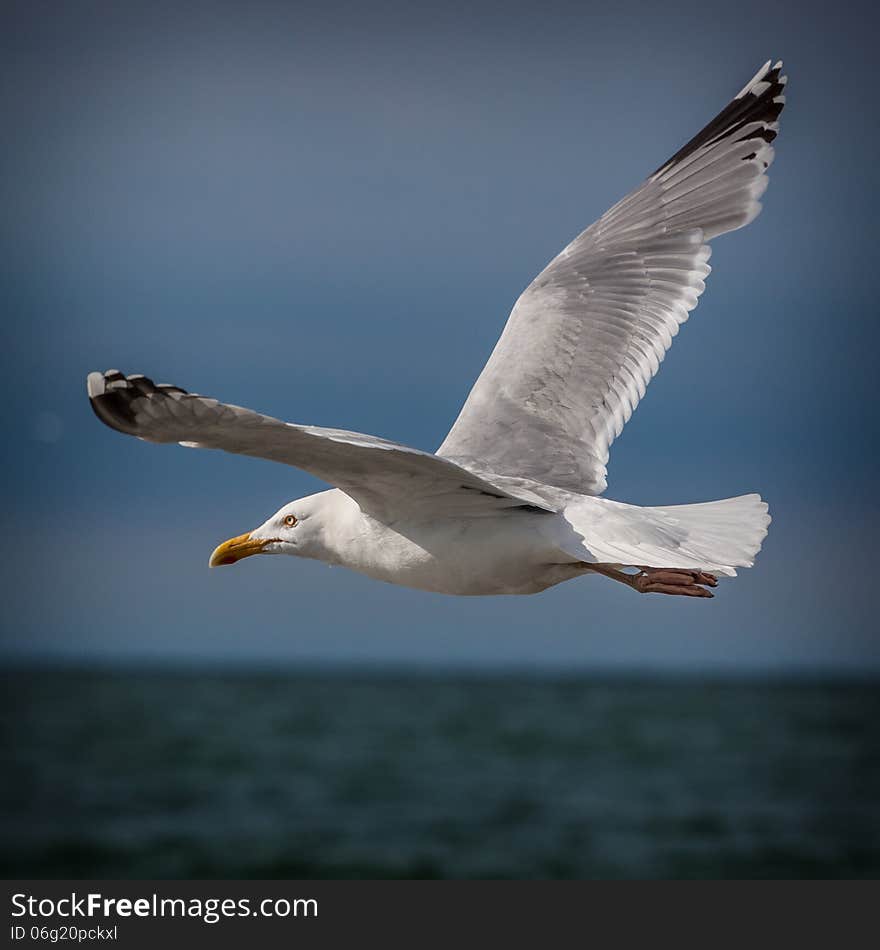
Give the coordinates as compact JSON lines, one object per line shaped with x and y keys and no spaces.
{"x":588,"y":334}
{"x":386,"y":479}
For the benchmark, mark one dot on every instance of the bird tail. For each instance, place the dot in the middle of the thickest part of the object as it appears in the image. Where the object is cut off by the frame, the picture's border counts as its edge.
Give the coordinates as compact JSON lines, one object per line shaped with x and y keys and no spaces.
{"x":715,"y":536}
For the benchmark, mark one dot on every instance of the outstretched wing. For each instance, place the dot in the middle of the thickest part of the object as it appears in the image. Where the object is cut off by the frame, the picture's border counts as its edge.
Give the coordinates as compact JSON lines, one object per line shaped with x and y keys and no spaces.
{"x":588,"y":334}
{"x":386,"y":479}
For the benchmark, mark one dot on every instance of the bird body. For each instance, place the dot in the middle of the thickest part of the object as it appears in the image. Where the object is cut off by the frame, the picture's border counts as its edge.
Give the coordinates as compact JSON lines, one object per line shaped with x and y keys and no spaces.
{"x":520,"y":550}
{"x":505,"y":552}
{"x":508,"y":504}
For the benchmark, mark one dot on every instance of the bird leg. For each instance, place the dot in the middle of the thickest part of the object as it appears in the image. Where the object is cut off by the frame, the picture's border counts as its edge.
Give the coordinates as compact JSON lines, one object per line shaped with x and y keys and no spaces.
{"x":662,"y":580}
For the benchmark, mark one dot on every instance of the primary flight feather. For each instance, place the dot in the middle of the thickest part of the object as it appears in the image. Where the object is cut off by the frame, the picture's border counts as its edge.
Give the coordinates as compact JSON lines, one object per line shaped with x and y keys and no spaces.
{"x":508,"y":503}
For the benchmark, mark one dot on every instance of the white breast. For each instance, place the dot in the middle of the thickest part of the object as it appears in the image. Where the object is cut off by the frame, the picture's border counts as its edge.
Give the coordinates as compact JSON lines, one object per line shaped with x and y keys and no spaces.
{"x":510,"y":553}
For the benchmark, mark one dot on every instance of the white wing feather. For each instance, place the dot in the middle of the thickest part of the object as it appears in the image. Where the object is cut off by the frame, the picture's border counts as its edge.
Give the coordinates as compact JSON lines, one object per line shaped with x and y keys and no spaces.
{"x":387,"y":479}
{"x":588,"y":334}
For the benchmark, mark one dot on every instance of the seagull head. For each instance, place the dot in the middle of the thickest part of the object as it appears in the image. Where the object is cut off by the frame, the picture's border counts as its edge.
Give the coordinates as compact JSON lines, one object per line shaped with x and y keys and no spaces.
{"x":297,"y":529}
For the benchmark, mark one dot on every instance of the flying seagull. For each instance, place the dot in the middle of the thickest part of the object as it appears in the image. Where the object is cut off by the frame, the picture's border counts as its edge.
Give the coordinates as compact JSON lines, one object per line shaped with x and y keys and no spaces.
{"x":509,"y":503}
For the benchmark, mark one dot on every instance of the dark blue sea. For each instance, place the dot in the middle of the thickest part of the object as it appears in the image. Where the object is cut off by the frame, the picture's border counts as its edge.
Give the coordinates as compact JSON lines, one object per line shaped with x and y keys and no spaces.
{"x":313,"y":775}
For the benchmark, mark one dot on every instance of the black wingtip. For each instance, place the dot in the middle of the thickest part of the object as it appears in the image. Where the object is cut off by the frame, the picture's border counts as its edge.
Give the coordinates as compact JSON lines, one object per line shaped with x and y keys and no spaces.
{"x":111,"y":395}
{"x":111,"y":401}
{"x":762,"y":99}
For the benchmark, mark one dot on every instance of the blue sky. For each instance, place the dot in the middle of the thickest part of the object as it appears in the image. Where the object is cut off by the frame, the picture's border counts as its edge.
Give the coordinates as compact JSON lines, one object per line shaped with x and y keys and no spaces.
{"x":325,"y":212}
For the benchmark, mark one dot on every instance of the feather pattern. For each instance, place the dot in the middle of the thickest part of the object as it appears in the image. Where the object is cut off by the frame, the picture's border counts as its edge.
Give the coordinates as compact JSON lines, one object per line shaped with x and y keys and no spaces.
{"x":716,"y":536}
{"x":588,"y":334}
{"x":386,"y":479}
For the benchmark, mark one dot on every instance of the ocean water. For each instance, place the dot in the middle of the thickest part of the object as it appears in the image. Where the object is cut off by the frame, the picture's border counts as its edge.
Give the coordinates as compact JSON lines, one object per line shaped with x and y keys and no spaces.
{"x":117,"y":774}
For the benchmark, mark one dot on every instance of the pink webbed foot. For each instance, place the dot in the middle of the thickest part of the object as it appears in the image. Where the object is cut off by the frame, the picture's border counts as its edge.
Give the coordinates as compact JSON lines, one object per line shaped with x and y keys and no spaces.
{"x":665,"y":580}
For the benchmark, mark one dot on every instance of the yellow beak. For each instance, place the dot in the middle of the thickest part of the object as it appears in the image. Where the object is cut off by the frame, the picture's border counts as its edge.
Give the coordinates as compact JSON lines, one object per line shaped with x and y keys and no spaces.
{"x":235,"y":549}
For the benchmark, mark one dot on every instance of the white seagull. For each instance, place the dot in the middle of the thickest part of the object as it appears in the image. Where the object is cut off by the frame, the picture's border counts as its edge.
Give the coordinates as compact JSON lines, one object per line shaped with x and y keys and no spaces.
{"x":509,"y":502}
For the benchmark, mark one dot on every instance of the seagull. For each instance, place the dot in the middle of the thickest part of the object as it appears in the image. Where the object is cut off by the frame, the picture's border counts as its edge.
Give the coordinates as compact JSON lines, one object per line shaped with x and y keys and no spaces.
{"x":510,"y":502}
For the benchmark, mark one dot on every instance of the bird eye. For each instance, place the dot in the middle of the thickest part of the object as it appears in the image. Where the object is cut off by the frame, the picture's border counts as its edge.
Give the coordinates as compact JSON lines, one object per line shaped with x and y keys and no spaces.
{"x":290,"y":520}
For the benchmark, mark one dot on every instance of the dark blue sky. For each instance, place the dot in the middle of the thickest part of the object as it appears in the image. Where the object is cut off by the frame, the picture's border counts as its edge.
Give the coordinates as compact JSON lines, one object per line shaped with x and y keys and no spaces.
{"x":325,"y":212}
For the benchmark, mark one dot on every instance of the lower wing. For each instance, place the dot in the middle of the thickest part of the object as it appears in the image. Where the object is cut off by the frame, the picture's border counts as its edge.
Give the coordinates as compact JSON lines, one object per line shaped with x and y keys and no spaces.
{"x":386,"y":479}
